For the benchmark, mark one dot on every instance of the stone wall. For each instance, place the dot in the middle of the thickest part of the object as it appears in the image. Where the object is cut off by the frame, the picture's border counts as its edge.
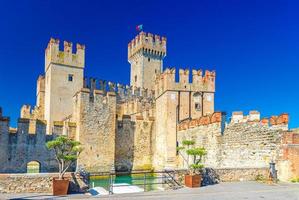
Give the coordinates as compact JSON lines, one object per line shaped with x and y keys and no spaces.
{"x":288,"y":163}
{"x":18,"y":147}
{"x":241,"y":174}
{"x":36,"y":183}
{"x":95,"y":116}
{"x":240,"y":144}
{"x":212,"y":176}
{"x":133,"y":148}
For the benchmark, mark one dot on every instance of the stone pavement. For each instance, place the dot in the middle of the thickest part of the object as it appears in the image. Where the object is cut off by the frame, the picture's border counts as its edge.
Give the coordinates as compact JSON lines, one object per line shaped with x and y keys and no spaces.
{"x":223,"y":191}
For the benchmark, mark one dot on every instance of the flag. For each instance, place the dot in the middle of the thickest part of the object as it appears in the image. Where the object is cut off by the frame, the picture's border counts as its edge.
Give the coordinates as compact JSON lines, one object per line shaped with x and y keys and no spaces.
{"x":139,"y":27}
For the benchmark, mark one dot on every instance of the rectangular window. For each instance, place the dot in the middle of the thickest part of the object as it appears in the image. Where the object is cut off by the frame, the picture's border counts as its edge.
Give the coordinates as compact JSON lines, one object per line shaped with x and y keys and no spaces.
{"x":70,"y":77}
{"x":197,"y":107}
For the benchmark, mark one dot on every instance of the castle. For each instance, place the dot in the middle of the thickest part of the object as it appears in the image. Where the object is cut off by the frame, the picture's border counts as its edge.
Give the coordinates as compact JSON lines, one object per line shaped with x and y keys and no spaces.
{"x":141,"y":125}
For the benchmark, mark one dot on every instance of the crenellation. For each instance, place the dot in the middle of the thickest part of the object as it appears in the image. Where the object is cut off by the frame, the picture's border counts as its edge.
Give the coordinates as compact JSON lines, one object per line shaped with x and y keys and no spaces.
{"x":254,"y":116}
{"x":197,"y":76}
{"x":277,"y":122}
{"x":145,"y":54}
{"x":65,"y":57}
{"x":147,"y":43}
{"x":184,"y":76}
{"x":237,"y":117}
{"x":26,"y":111}
{"x":65,"y":128}
{"x":137,"y":126}
{"x":166,"y":81}
{"x":216,"y":117}
{"x":123,"y":92}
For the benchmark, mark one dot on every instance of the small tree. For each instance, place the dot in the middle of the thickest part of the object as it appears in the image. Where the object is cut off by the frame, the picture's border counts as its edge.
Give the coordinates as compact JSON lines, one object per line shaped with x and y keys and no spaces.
{"x":66,"y":152}
{"x":197,"y":154}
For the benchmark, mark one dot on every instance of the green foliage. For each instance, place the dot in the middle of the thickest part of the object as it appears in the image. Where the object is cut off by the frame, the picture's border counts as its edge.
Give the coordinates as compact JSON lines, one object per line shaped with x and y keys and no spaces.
{"x":295,"y":180}
{"x":188,"y":142}
{"x":66,"y":152}
{"x":260,"y":178}
{"x":197,"y":151}
{"x":180,"y":148}
{"x":196,"y":166}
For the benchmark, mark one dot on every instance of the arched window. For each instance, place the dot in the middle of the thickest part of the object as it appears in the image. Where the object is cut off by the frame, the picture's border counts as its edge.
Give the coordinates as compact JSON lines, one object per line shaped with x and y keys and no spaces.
{"x":33,"y":167}
{"x":197,"y":102}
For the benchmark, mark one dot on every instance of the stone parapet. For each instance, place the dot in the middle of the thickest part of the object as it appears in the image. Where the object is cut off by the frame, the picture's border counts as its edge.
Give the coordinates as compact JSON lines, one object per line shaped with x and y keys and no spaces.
{"x":147,"y":43}
{"x":65,"y":57}
{"x":167,"y":81}
{"x":216,"y":117}
{"x":36,"y":183}
{"x":123,"y":92}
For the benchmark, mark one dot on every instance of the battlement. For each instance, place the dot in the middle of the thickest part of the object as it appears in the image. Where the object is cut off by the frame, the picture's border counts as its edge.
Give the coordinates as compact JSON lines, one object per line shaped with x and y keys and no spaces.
{"x":94,"y":96}
{"x":26,"y":111}
{"x":280,"y":122}
{"x":2,"y":118}
{"x":166,"y":81}
{"x":138,"y":107}
{"x":123,"y":92}
{"x":216,"y":117}
{"x":65,"y":128}
{"x":148,"y":44}
{"x":254,"y":116}
{"x":65,"y":57}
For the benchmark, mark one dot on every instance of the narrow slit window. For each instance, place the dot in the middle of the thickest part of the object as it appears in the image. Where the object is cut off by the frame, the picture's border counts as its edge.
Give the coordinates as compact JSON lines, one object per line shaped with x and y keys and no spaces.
{"x":70,"y":77}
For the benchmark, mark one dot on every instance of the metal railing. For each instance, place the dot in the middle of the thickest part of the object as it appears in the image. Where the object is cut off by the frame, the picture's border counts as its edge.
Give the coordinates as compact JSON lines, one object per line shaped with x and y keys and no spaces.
{"x":148,"y":178}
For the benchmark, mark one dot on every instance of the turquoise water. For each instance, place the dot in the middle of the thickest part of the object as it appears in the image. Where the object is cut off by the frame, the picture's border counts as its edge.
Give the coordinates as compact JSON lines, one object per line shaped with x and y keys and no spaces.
{"x":138,"y":180}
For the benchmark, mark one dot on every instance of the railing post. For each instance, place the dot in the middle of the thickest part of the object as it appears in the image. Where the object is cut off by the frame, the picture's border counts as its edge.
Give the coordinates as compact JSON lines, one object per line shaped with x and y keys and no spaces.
{"x":144,"y":182}
{"x":110,"y":184}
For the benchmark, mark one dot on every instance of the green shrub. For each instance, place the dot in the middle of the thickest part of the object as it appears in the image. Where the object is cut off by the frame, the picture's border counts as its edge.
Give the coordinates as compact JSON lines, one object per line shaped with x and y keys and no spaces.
{"x":295,"y":180}
{"x":196,"y":153}
{"x":260,"y":177}
{"x":66,"y":152}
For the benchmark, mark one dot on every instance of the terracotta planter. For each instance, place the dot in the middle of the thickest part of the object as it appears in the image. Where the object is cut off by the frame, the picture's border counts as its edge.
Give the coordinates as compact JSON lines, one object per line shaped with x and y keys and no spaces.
{"x":193,"y":181}
{"x":60,"y":187}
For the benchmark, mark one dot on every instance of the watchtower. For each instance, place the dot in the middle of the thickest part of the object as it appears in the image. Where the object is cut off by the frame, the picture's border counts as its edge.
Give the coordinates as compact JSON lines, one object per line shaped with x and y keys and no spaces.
{"x":64,"y":77}
{"x":177,"y":102}
{"x":145,"y":54}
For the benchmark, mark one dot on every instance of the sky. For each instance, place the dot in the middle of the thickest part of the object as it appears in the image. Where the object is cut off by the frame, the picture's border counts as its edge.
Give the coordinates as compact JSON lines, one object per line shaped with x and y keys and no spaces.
{"x":253,"y":46}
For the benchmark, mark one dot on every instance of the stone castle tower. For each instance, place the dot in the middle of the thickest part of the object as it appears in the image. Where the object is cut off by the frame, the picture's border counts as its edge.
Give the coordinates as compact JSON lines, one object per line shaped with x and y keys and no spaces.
{"x":63,"y":78}
{"x":137,"y":126}
{"x":177,"y":102}
{"x":145,"y":54}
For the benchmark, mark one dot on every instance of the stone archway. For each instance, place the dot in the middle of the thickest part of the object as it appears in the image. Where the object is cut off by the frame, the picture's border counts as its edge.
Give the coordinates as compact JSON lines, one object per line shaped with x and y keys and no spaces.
{"x":33,"y":167}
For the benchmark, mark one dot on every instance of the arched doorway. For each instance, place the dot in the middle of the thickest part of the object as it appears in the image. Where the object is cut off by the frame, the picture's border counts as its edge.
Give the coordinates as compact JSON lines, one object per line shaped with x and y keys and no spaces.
{"x":33,"y":167}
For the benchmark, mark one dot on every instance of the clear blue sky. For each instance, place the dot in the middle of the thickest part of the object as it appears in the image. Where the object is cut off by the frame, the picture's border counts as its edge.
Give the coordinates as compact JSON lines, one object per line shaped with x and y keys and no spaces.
{"x":253,"y":46}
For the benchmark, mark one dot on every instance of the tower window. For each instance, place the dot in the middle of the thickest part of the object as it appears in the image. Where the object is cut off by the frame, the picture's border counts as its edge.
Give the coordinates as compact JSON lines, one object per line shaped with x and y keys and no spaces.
{"x":197,"y":97}
{"x":197,"y":106}
{"x":135,"y":78}
{"x":149,"y":59}
{"x":70,"y":77}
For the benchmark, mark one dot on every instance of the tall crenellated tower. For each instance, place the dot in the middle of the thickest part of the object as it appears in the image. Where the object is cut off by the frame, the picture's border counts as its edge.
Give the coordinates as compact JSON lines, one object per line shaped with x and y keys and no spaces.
{"x":177,"y":102}
{"x":145,"y":54}
{"x":63,"y":78}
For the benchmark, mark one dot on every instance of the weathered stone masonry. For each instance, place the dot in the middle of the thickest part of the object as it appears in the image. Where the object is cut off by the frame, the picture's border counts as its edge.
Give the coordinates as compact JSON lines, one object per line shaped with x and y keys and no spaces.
{"x":245,"y":142}
{"x":95,"y":114}
{"x":139,"y":126}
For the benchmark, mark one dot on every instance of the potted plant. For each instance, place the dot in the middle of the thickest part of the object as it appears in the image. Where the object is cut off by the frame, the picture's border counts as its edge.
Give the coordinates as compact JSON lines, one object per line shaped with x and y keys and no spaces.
{"x":66,"y":152}
{"x":193,"y":178}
